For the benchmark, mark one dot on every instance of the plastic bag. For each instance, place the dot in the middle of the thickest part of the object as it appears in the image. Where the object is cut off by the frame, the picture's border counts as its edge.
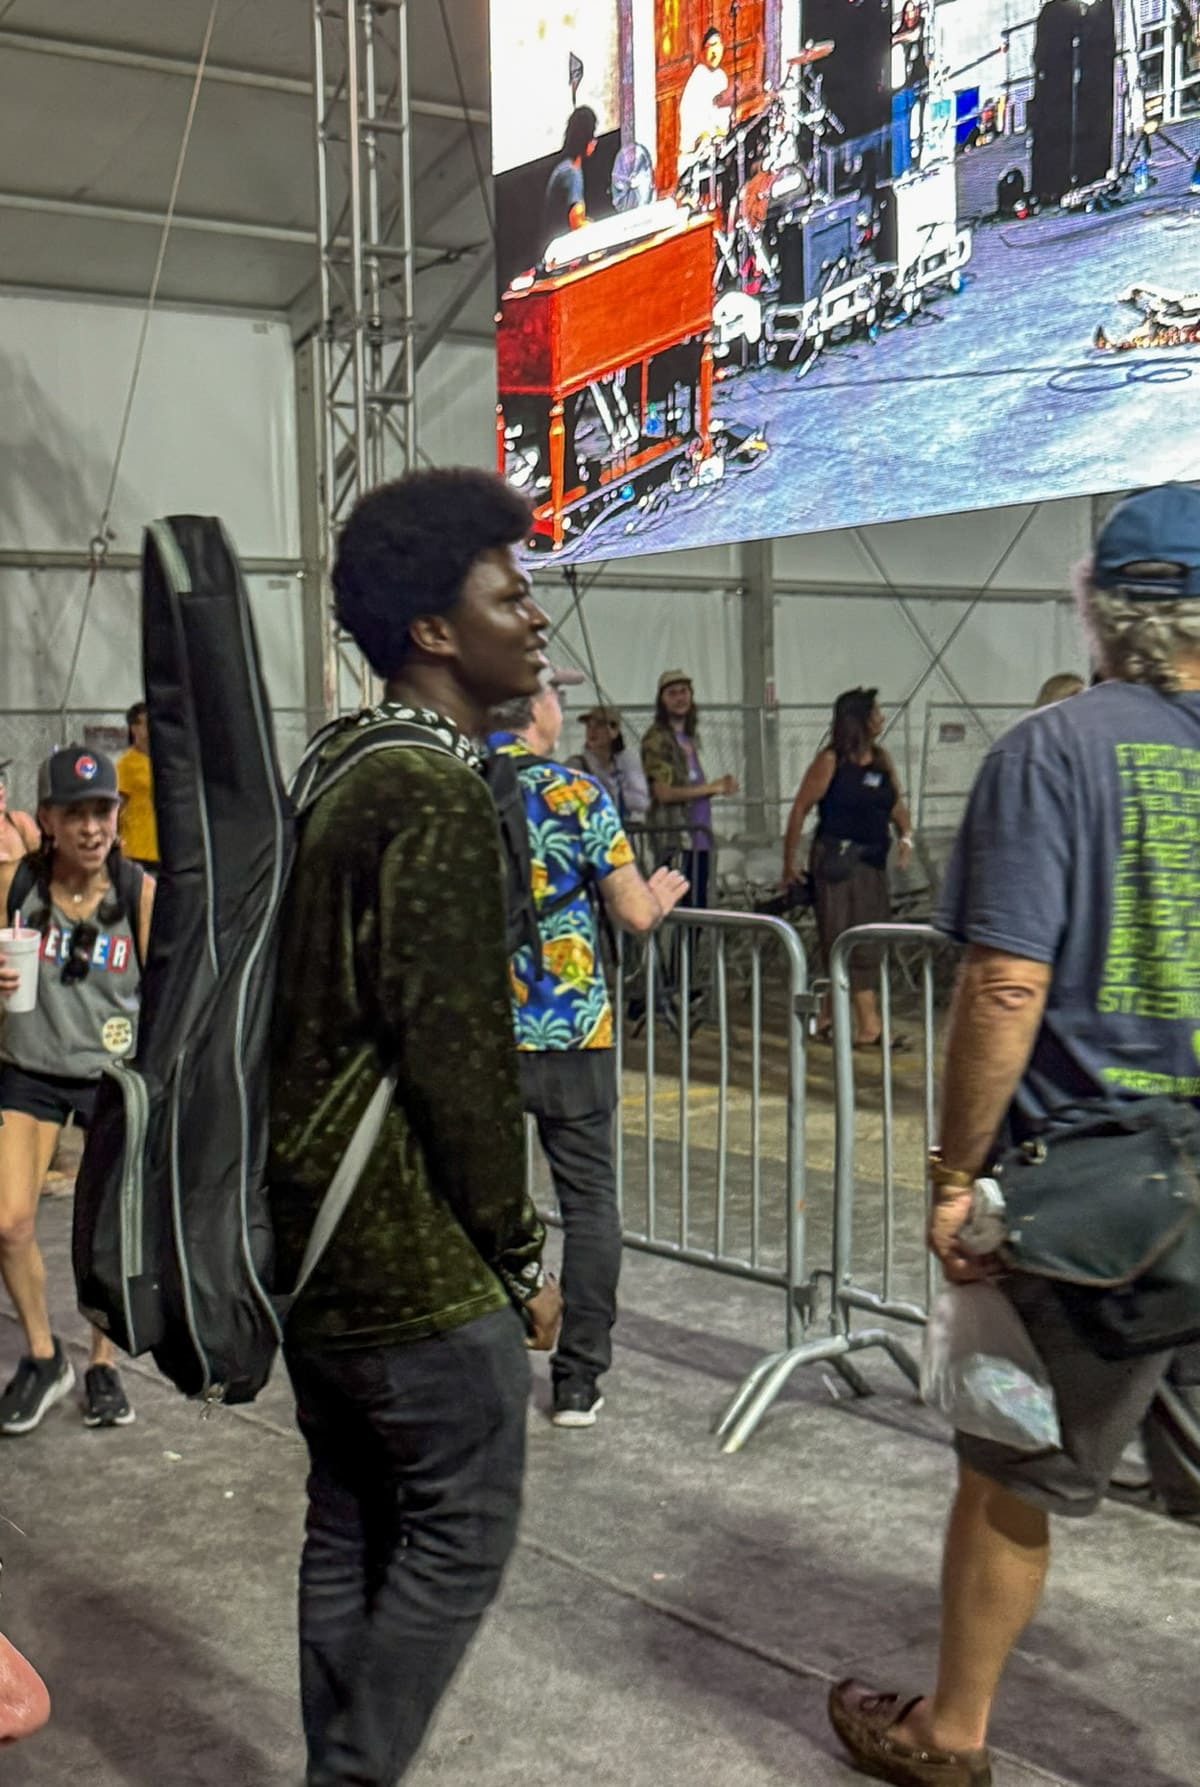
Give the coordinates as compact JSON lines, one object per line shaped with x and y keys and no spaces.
{"x":979,"y":1369}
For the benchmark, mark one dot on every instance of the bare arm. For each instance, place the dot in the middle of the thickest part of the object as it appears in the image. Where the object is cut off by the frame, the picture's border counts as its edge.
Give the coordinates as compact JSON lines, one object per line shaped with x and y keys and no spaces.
{"x":9,"y":978}
{"x":815,"y":785}
{"x":900,"y":814}
{"x":638,"y":905}
{"x":994,"y":1020}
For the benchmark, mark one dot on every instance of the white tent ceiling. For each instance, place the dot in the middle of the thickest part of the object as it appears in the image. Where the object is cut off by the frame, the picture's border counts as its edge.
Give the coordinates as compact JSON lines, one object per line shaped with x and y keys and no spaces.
{"x":92,"y":108}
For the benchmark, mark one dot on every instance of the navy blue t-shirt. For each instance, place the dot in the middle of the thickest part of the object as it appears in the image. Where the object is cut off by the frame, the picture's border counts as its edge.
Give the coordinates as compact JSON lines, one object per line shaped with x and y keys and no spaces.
{"x":1081,"y":849}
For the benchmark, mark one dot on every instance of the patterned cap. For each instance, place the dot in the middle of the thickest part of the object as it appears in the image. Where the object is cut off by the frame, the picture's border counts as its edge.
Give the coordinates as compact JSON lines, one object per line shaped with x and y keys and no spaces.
{"x":76,"y":773}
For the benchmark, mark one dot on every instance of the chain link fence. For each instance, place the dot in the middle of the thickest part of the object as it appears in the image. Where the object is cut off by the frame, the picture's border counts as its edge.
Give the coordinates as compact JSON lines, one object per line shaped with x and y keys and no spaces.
{"x":28,"y":735}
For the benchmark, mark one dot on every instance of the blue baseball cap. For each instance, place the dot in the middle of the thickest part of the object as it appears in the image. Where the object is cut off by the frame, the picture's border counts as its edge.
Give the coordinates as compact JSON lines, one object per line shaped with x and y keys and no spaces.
{"x":1159,"y":526}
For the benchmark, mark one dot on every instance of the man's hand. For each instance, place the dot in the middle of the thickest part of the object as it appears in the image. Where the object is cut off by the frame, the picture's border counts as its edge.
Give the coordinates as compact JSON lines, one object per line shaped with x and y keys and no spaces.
{"x":543,"y":1315}
{"x":10,"y":980}
{"x":947,"y":1217}
{"x":904,"y":851}
{"x":668,"y":887}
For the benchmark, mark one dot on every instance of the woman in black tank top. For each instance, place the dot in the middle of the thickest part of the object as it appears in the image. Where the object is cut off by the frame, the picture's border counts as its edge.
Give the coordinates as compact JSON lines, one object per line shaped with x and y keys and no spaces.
{"x":853,"y":785}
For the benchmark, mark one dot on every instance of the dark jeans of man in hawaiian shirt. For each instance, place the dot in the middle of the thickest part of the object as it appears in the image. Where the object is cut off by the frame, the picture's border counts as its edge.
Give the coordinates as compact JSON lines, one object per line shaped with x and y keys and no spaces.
{"x":572,"y":1094}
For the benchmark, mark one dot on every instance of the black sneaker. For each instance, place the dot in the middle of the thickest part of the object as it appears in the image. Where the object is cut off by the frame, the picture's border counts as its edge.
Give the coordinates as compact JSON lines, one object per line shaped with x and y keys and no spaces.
{"x":576,"y":1405}
{"x":35,"y":1387}
{"x":105,"y":1403}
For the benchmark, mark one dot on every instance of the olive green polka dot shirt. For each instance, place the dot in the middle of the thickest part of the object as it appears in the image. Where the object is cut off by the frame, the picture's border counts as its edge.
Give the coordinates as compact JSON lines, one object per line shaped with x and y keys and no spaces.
{"x":393,"y":949}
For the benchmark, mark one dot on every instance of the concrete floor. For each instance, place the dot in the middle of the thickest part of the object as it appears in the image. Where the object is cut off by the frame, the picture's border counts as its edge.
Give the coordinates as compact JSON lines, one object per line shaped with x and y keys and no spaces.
{"x":992,"y":396}
{"x":672,"y":1617}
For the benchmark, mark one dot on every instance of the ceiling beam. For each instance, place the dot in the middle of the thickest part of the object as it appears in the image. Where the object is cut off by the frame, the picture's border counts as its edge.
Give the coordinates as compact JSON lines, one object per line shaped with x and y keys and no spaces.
{"x":260,"y":81}
{"x":46,"y":206}
{"x":20,"y":559}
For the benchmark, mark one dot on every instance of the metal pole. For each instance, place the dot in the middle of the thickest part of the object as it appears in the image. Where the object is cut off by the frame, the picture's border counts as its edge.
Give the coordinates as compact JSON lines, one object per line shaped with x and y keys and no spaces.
{"x":760,"y":720}
{"x":843,"y":1144}
{"x":354,"y":171}
{"x":324,"y":499}
{"x":797,"y":1202}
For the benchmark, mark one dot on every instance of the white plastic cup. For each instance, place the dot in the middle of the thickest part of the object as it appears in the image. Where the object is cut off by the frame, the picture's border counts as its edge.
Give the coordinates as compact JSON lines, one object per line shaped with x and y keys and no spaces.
{"x":20,"y":950}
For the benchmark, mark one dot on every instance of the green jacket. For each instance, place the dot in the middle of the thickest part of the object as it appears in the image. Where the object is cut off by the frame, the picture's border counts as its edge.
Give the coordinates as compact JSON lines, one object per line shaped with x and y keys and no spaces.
{"x":393,"y":950}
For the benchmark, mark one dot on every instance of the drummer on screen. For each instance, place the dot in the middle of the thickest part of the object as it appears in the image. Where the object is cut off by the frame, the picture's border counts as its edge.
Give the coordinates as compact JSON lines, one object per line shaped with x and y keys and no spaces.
{"x":702,"y":118}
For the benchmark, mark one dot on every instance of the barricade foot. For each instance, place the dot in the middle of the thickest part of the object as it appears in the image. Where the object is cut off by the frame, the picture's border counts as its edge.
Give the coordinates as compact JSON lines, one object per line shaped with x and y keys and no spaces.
{"x":744,"y":1394}
{"x":900,"y":1356}
{"x":853,"y":1377}
{"x":764,"y":1385}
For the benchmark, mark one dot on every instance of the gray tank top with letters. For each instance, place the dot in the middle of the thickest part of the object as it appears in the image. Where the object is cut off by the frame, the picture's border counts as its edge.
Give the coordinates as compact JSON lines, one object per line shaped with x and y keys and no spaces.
{"x":78,"y":1027}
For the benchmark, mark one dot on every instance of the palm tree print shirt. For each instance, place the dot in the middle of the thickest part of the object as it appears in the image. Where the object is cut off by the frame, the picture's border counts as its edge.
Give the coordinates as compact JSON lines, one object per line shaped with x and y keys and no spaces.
{"x":575,"y":839}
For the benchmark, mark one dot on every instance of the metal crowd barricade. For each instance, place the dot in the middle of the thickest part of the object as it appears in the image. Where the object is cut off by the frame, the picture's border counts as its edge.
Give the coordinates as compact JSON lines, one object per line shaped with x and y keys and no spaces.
{"x":697,"y":1189}
{"x":893,"y":1280}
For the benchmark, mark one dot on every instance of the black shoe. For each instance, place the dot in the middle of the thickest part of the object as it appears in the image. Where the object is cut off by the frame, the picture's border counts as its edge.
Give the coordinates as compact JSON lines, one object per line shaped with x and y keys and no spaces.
{"x":34,"y":1388}
{"x":576,"y":1405}
{"x":105,"y":1403}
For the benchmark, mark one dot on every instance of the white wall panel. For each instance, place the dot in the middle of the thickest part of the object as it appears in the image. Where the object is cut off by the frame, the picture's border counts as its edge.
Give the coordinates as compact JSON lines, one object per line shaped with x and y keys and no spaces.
{"x":212,"y":429}
{"x":40,"y":612}
{"x":637,"y":634}
{"x":949,"y":551}
{"x":1003,"y":653}
{"x":456,"y":406}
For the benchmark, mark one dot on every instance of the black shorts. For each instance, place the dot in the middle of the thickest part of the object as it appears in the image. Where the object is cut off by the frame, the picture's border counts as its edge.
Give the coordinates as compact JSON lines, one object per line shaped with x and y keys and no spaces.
{"x":50,"y":1097}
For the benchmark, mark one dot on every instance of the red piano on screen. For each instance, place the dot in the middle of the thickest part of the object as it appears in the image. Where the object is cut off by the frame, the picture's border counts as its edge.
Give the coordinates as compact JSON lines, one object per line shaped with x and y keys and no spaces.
{"x":604,"y":371}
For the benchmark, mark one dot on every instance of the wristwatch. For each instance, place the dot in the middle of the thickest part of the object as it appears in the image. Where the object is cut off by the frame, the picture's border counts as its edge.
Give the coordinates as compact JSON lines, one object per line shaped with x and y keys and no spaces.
{"x":947,"y":1179}
{"x":523,"y":1286}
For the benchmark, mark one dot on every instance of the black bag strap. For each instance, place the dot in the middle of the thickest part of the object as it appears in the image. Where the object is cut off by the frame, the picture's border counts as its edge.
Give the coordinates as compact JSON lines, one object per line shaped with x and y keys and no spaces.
{"x":317,"y":775}
{"x":127,"y":883}
{"x":23,"y":883}
{"x":508,"y":797}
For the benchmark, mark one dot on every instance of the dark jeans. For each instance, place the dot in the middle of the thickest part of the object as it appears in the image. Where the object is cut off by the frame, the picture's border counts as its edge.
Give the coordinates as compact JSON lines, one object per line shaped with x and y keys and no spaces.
{"x":417,"y":1457}
{"x":572,"y":1094}
{"x":694,"y":864}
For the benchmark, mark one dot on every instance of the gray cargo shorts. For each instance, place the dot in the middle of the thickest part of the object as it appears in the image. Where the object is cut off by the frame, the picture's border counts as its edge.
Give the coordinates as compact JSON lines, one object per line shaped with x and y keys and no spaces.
{"x":1101,"y":1403}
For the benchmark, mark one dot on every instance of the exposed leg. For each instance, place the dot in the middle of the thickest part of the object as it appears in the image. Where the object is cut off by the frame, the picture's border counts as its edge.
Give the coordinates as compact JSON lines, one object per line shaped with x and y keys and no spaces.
{"x":26,"y":1150}
{"x":868,"y":1025}
{"x":997,"y":1554}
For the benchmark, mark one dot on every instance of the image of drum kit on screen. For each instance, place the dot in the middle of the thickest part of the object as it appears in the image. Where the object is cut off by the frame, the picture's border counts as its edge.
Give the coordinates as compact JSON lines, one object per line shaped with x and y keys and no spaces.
{"x":798,"y":263}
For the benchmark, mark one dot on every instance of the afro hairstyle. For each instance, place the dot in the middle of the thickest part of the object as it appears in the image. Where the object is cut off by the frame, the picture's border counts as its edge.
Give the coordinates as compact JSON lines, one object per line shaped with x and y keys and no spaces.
{"x":407,"y":548}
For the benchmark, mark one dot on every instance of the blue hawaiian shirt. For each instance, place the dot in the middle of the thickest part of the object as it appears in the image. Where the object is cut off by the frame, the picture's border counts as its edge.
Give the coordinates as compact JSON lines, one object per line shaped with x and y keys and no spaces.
{"x":575,"y":833}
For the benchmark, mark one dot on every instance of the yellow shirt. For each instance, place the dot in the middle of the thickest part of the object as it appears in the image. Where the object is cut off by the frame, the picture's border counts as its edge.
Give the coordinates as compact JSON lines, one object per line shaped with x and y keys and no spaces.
{"x":139,"y":834}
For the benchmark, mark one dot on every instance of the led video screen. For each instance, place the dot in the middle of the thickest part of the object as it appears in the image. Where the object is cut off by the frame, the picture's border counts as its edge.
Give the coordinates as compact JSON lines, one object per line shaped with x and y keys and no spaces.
{"x":768,"y":266}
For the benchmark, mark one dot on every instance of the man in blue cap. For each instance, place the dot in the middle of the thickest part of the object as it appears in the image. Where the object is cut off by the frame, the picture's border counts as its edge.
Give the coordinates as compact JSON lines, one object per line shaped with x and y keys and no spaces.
{"x":1075,"y":886}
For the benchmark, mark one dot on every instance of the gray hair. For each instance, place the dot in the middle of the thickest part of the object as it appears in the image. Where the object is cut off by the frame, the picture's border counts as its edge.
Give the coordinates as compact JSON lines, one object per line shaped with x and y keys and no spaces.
{"x":514,"y":716}
{"x":1138,"y":641}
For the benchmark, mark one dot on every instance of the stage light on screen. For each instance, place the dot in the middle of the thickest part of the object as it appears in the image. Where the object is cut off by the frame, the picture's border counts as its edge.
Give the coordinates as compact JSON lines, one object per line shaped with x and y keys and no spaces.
{"x":770,"y":266}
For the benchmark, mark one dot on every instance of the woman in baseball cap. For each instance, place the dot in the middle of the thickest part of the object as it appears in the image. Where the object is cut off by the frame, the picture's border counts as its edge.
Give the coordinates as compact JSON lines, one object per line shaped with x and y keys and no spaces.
{"x":93,"y":912}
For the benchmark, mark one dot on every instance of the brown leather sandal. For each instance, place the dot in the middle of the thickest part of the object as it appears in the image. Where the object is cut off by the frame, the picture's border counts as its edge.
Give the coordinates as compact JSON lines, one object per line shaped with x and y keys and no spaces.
{"x":864,"y":1720}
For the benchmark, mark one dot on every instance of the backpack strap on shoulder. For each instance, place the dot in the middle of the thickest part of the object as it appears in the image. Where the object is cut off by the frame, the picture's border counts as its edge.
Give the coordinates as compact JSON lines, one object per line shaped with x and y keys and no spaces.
{"x":317,"y":774}
{"x":130,"y":879}
{"x":23,"y":883}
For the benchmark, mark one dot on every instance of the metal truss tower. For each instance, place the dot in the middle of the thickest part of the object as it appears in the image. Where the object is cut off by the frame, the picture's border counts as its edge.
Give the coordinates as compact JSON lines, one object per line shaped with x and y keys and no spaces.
{"x":367,"y":267}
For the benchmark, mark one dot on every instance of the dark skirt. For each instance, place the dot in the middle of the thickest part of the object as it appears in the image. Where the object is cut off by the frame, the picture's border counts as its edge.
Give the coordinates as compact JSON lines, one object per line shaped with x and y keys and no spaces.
{"x":861,"y":899}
